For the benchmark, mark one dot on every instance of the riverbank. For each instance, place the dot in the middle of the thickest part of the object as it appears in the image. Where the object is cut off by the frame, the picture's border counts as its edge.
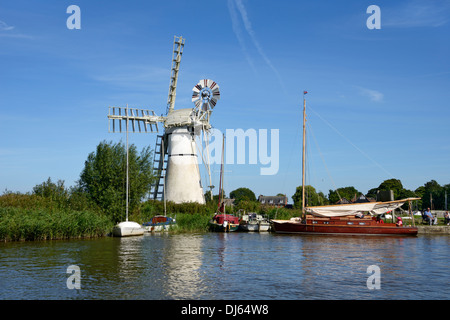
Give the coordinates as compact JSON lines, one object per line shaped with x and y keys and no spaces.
{"x":19,"y":224}
{"x":433,"y":229}
{"x":30,"y":218}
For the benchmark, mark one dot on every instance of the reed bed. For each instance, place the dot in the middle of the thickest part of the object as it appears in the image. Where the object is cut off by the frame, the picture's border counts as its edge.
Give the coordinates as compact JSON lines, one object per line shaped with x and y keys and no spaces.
{"x":27,"y":217}
{"x":18,"y":224}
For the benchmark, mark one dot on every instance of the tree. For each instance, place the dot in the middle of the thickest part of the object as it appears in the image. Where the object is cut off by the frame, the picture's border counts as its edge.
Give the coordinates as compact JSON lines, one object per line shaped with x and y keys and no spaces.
{"x":49,"y":189}
{"x":432,"y":194}
{"x":216,"y":197}
{"x":372,"y":193}
{"x":396,"y":186}
{"x":346,"y":192}
{"x":392,"y":184}
{"x":312,"y":197}
{"x":242,"y":194}
{"x":104,"y":177}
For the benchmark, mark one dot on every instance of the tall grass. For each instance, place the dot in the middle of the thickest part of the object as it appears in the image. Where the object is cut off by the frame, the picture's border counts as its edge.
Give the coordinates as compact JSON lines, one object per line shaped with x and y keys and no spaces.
{"x":66,"y":215}
{"x":26,"y":217}
{"x":18,"y":224}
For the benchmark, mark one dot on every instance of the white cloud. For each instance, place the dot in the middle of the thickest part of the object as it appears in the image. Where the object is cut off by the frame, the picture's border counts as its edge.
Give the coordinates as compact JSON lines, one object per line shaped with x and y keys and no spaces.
{"x":432,"y":13}
{"x":374,"y":95}
{"x":5,"y":27}
{"x":132,"y":76}
{"x":7,"y":31}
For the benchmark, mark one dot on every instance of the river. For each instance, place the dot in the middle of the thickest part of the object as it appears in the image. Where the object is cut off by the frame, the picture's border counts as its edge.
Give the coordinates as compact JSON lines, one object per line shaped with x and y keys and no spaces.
{"x":228,"y":266}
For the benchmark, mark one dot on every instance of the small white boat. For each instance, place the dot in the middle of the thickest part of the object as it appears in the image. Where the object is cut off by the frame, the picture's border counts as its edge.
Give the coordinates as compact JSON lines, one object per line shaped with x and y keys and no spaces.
{"x":128,"y":229}
{"x":264,"y":225}
{"x":254,"y":222}
{"x":252,"y":225}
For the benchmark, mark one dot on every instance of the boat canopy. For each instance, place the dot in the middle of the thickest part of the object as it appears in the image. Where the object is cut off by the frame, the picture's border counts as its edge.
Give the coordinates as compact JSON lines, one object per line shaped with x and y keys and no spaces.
{"x":220,"y":218}
{"x":373,"y":208}
{"x":159,"y":220}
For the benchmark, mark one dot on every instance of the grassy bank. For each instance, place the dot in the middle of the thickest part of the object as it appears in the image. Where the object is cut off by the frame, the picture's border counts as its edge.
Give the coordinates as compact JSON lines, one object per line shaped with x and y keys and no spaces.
{"x":27,"y":217}
{"x":18,"y":224}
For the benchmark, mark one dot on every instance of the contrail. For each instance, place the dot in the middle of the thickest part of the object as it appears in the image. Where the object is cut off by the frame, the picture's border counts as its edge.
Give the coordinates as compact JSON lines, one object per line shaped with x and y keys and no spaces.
{"x":238,"y":33}
{"x":251,"y":33}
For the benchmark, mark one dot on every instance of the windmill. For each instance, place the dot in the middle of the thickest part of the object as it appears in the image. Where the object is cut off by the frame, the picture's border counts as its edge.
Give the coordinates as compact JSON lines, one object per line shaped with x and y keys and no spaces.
{"x":176,"y":159}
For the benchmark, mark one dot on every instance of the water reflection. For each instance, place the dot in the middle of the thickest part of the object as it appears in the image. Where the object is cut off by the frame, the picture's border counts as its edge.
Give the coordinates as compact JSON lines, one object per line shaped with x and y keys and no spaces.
{"x":227,"y":266}
{"x":182,"y":267}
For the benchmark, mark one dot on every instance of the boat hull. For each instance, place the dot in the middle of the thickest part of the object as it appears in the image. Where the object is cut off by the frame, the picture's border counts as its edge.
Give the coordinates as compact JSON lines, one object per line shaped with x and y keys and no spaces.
{"x":127,"y":229}
{"x":252,"y":227}
{"x":255,"y":227}
{"x":297,"y":227}
{"x":254,"y":222}
{"x":224,"y":223}
{"x":264,"y":226}
{"x":159,"y":223}
{"x":216,"y":227}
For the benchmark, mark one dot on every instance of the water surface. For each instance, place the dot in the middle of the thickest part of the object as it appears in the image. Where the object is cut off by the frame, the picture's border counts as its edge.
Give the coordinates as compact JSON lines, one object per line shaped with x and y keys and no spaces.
{"x":230,"y":266}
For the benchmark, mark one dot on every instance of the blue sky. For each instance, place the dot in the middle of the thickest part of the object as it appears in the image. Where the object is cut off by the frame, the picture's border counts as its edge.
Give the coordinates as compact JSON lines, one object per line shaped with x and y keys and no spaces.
{"x":378,"y":101}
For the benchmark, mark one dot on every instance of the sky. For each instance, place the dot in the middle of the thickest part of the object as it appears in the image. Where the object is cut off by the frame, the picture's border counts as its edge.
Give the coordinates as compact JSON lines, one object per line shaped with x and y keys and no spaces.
{"x":377,"y":103}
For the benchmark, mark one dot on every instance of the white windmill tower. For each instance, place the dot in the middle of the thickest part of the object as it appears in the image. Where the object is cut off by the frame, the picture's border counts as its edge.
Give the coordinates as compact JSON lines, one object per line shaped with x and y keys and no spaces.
{"x":178,"y":176}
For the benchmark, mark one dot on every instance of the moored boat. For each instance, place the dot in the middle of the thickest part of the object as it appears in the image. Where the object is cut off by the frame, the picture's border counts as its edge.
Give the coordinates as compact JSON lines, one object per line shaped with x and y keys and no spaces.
{"x":159,"y":223}
{"x":348,"y":219}
{"x":254,"y":222}
{"x":222,"y":222}
{"x":347,"y":225}
{"x":127,"y":229}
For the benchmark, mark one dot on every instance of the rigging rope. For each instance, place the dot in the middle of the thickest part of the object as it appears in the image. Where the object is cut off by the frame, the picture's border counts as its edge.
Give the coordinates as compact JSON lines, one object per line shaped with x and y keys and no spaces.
{"x":362,"y":152}
{"x":308,"y":126}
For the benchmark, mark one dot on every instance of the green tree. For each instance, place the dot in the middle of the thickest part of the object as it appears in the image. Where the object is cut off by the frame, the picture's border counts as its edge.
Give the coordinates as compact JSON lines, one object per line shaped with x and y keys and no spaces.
{"x":49,"y":189}
{"x":396,"y":186}
{"x":103,"y":178}
{"x":346,"y":192}
{"x":372,"y":193}
{"x":242,"y":194}
{"x":392,"y":184}
{"x":312,"y":197}
{"x":432,"y":194}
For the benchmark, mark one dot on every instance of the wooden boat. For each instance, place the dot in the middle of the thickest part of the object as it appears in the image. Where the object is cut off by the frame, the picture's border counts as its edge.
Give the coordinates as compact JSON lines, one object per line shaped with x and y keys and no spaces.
{"x":348,"y":219}
{"x":159,"y":223}
{"x":254,"y":222}
{"x":347,"y":225}
{"x":222,"y":222}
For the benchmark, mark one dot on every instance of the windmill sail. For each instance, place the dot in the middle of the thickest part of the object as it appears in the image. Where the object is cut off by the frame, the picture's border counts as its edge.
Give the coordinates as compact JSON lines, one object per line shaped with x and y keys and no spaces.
{"x":178,"y":45}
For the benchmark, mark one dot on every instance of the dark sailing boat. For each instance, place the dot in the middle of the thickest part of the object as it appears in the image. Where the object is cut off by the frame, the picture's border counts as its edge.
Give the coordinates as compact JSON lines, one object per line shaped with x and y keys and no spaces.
{"x":349,"y":219}
{"x":221,"y":221}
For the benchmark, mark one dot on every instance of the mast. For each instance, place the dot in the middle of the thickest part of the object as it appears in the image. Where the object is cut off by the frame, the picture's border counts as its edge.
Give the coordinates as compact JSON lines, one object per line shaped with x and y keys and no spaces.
{"x":126,"y":200}
{"x":304,"y":153}
{"x":221,"y":174}
{"x":164,"y":180}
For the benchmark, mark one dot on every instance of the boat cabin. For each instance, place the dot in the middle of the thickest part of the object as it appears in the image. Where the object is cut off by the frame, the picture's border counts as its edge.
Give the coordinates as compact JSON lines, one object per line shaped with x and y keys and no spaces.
{"x":220,"y":218}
